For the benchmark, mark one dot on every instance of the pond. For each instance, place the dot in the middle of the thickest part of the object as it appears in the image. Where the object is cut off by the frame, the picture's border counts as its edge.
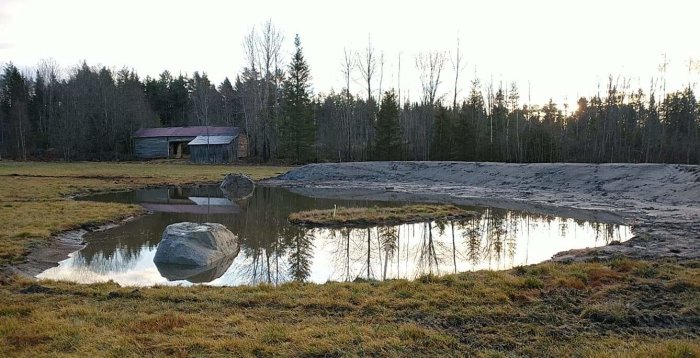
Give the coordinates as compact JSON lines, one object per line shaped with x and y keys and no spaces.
{"x":274,"y":251}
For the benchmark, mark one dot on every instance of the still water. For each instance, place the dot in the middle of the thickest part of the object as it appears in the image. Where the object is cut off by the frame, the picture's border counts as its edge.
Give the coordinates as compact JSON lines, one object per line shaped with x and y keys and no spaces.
{"x":274,"y":251}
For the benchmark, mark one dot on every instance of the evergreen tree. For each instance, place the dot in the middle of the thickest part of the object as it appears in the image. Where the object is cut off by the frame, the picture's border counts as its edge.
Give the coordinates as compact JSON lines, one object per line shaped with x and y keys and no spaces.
{"x":297,"y":130}
{"x":15,"y":129}
{"x":170,"y":98}
{"x":471,"y":128}
{"x":229,"y":104}
{"x":300,"y":248}
{"x":38,"y":111}
{"x":442,"y":147}
{"x":387,"y":141}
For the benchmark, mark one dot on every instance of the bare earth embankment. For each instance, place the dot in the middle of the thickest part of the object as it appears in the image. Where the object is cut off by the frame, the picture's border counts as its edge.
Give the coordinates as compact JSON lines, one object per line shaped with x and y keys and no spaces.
{"x":661,"y":202}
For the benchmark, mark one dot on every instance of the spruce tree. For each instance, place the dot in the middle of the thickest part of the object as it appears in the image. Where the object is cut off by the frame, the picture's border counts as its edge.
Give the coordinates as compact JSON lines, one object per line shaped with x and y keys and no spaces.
{"x":297,"y":127}
{"x":442,"y":146}
{"x":387,"y":142}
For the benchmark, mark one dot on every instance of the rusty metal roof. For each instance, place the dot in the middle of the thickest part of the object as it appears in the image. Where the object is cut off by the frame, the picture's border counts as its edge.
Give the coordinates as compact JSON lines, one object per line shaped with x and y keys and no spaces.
{"x":186,"y":131}
{"x":212,"y":139}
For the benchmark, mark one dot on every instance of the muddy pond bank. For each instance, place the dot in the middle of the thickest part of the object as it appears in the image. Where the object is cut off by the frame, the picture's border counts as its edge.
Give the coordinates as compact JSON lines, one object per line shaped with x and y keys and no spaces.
{"x":661,"y":202}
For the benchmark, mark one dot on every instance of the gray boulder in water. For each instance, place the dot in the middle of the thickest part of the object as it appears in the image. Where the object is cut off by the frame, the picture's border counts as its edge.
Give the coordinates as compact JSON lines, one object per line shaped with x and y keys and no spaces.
{"x":237,"y":186}
{"x":196,"y":244}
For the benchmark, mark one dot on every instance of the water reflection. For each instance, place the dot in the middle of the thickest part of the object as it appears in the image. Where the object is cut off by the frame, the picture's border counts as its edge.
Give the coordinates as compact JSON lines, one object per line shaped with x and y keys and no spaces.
{"x":274,"y":251}
{"x":195,"y":274}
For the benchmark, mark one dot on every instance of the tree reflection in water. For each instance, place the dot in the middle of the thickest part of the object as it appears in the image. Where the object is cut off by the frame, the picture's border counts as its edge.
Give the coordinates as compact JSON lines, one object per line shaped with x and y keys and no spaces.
{"x":274,"y":251}
{"x":494,"y":239}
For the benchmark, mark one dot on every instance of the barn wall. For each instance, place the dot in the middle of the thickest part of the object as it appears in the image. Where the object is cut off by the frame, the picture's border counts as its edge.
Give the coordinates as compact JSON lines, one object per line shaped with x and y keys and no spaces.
{"x":148,"y":148}
{"x":242,"y":146}
{"x":222,"y":153}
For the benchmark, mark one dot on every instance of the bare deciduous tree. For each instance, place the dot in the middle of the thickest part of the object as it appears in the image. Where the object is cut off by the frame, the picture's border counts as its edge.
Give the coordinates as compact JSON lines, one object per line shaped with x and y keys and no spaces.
{"x":381,"y":76}
{"x":48,"y":71}
{"x":263,"y":53}
{"x":346,"y":121}
{"x":348,"y":64}
{"x":430,"y":66}
{"x":367,"y":64}
{"x":457,"y":66}
{"x":399,"y":80}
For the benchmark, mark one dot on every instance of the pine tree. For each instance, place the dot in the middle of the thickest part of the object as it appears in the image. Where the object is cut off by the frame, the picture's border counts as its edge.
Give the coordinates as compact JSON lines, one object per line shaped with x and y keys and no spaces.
{"x":229,"y":110}
{"x":297,"y":127}
{"x":387,"y":145}
{"x":15,"y":132}
{"x":300,"y":245}
{"x":442,"y":147}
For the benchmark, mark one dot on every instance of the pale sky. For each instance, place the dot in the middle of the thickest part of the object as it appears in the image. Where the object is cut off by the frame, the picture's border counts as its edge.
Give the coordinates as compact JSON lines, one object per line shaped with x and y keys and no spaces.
{"x":564,"y":49}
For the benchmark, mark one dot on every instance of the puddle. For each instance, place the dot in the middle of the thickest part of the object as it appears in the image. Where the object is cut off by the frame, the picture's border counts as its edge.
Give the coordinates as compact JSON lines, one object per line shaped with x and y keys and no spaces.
{"x":274,"y":251}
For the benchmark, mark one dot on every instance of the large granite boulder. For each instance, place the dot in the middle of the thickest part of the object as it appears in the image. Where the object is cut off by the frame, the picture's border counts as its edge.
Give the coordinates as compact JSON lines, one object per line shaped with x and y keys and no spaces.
{"x":196,"y":244}
{"x":237,"y":186}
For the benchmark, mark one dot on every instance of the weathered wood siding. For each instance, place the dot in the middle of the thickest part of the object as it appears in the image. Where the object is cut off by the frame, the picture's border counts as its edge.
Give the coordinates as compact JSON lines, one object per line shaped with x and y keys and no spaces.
{"x":149,"y":148}
{"x":242,"y":146}
{"x":156,"y":147}
{"x":221,"y":153}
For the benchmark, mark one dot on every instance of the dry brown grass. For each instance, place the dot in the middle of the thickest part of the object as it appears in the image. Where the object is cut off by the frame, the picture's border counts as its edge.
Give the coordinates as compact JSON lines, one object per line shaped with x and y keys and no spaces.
{"x":524,"y":312}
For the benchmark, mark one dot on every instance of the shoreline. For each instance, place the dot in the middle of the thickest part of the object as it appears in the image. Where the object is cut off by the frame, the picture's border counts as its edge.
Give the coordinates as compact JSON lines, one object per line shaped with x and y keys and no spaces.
{"x":659,"y":228}
{"x":660,"y":202}
{"x":57,"y":247}
{"x":61,"y":245}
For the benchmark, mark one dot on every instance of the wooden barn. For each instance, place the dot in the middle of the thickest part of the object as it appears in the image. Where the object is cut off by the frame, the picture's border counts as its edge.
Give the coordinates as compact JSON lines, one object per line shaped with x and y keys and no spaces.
{"x":177,"y":142}
{"x":214,"y":149}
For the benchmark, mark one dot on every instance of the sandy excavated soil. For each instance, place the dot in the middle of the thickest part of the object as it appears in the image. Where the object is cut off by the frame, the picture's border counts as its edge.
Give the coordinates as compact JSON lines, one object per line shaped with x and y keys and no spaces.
{"x":661,"y":202}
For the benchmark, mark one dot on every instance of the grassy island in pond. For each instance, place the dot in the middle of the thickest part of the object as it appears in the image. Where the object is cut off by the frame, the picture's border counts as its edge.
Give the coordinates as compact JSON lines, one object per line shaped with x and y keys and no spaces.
{"x":360,"y":217}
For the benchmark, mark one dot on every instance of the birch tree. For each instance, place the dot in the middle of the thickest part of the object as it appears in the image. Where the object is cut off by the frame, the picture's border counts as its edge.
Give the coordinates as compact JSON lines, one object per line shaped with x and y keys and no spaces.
{"x":457,"y":67}
{"x":430,"y":66}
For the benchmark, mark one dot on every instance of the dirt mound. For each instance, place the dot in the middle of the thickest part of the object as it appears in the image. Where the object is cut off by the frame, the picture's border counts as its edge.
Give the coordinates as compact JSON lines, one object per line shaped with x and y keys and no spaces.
{"x":650,"y":182}
{"x":660,"y":201}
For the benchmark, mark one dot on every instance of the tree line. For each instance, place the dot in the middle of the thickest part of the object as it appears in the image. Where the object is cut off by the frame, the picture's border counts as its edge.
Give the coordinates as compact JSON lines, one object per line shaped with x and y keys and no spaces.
{"x":91,"y":114}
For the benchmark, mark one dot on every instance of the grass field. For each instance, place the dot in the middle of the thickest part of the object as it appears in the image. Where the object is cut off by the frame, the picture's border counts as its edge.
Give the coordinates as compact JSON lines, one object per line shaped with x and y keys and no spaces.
{"x":618,"y":308}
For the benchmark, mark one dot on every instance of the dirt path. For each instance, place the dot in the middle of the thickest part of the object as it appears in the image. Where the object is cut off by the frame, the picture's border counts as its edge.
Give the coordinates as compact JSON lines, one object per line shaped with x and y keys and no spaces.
{"x":661,"y":202}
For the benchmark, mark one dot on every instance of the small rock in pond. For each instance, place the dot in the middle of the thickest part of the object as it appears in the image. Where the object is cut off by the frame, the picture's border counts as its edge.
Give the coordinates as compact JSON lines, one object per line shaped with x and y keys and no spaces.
{"x":196,"y":244}
{"x":119,"y":294}
{"x":34,"y":288}
{"x":237,"y":186}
